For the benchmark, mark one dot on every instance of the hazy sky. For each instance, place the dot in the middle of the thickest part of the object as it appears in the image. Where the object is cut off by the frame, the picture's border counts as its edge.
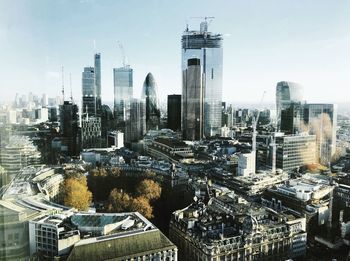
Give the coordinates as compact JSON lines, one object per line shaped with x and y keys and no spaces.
{"x":265,"y":42}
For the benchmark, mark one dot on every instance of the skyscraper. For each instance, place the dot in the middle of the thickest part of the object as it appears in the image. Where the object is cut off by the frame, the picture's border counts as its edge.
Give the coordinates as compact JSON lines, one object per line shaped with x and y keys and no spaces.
{"x":123,"y":93}
{"x":150,"y":97}
{"x":193,"y":100}
{"x":321,"y":119}
{"x":287,"y":93}
{"x":89,"y":92}
{"x":97,"y":60}
{"x":207,"y":47}
{"x":69,"y":127}
{"x":136,"y":124}
{"x":174,"y":112}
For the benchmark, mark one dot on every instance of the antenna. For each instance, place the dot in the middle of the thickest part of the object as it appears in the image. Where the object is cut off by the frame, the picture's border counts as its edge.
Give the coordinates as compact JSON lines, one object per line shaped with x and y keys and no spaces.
{"x":207,"y":20}
{"x":121,"y":47}
{"x":62,"y":85}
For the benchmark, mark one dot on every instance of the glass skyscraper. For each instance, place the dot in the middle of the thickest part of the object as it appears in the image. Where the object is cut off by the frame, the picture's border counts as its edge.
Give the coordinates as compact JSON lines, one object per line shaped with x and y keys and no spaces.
{"x":207,"y":47}
{"x":150,"y":97}
{"x":192,"y":101}
{"x":123,"y":93}
{"x":89,"y":92}
{"x":287,"y":94}
{"x":97,"y":60}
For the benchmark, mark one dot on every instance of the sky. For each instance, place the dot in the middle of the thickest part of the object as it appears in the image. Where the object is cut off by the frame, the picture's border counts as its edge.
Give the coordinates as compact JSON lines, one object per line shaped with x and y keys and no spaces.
{"x":264,"y":42}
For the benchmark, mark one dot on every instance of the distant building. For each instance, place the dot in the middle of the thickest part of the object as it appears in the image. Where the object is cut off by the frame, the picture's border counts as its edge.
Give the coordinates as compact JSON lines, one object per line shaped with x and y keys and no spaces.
{"x":229,"y":228}
{"x":150,"y":97}
{"x":107,"y":124}
{"x":115,"y":138}
{"x":91,"y":132}
{"x":321,"y":120}
{"x":174,"y":112}
{"x":291,"y":118}
{"x":294,"y":151}
{"x":89,"y":91}
{"x":123,"y":93}
{"x":207,"y":47}
{"x":287,"y":93}
{"x":69,"y":128}
{"x":17,"y":154}
{"x":193,"y":101}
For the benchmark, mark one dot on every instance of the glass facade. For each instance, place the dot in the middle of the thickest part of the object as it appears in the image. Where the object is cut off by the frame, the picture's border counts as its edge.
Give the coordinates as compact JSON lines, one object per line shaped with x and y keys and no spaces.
{"x":150,"y":97}
{"x":322,"y":121}
{"x":123,"y":93}
{"x":89,"y":91}
{"x":98,"y":82}
{"x":207,"y":47}
{"x":192,"y":101}
{"x":288,"y":93}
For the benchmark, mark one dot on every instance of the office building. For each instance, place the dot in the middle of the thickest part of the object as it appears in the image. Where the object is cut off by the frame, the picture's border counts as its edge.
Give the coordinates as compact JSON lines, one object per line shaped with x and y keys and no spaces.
{"x":192,"y":101}
{"x":287,"y":93}
{"x":17,"y":154}
{"x":123,"y":93}
{"x":97,"y":70}
{"x":150,"y":97}
{"x":321,"y":119}
{"x":136,"y":125}
{"x":207,"y":47}
{"x":69,"y":128}
{"x":291,"y":121}
{"x":91,"y":132}
{"x":115,"y":139}
{"x":294,"y":151}
{"x":230,"y":228}
{"x":107,"y":123}
{"x":174,"y":112}
{"x":89,"y":92}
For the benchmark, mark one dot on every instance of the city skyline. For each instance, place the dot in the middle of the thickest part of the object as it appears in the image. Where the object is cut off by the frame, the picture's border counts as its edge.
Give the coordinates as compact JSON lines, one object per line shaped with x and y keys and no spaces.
{"x":311,"y":48}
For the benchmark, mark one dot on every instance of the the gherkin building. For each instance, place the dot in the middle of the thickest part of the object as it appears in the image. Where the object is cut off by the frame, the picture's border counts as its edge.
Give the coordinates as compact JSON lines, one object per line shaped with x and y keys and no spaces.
{"x":150,"y":96}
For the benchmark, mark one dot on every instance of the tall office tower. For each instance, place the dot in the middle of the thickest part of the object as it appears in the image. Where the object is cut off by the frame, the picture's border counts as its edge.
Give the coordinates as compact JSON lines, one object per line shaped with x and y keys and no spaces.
{"x":69,"y":127}
{"x":89,"y":92}
{"x":287,"y":93}
{"x":291,"y":121}
{"x":294,"y":151}
{"x":174,"y":112}
{"x":107,"y":123}
{"x":207,"y":47}
{"x":91,"y":132}
{"x":321,"y":120}
{"x":123,"y":93}
{"x":136,"y":125}
{"x":192,"y":101}
{"x":97,"y":60}
{"x":150,"y":97}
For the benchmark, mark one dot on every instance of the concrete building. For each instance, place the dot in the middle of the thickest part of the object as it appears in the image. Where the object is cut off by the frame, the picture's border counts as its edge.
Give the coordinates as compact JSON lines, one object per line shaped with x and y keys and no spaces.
{"x":91,"y":132}
{"x":294,"y":151}
{"x":169,"y":149}
{"x":17,"y":154}
{"x":246,"y":164}
{"x":115,"y":138}
{"x":229,"y":228}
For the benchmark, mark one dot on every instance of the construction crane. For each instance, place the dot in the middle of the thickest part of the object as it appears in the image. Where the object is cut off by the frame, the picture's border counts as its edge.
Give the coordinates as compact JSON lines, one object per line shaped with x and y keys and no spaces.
{"x":203,"y":25}
{"x":121,"y":47}
{"x":254,"y":125}
{"x":62,"y":85}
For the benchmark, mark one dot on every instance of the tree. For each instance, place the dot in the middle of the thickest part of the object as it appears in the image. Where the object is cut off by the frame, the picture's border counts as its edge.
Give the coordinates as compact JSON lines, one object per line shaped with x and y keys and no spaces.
{"x":76,"y":193}
{"x":142,"y":205}
{"x":119,"y":201}
{"x":149,"y":189}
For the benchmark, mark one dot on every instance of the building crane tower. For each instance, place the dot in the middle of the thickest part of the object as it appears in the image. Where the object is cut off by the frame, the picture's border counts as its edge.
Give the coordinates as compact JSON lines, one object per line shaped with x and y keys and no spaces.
{"x":62,"y":85}
{"x":254,"y":125}
{"x":121,"y":47}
